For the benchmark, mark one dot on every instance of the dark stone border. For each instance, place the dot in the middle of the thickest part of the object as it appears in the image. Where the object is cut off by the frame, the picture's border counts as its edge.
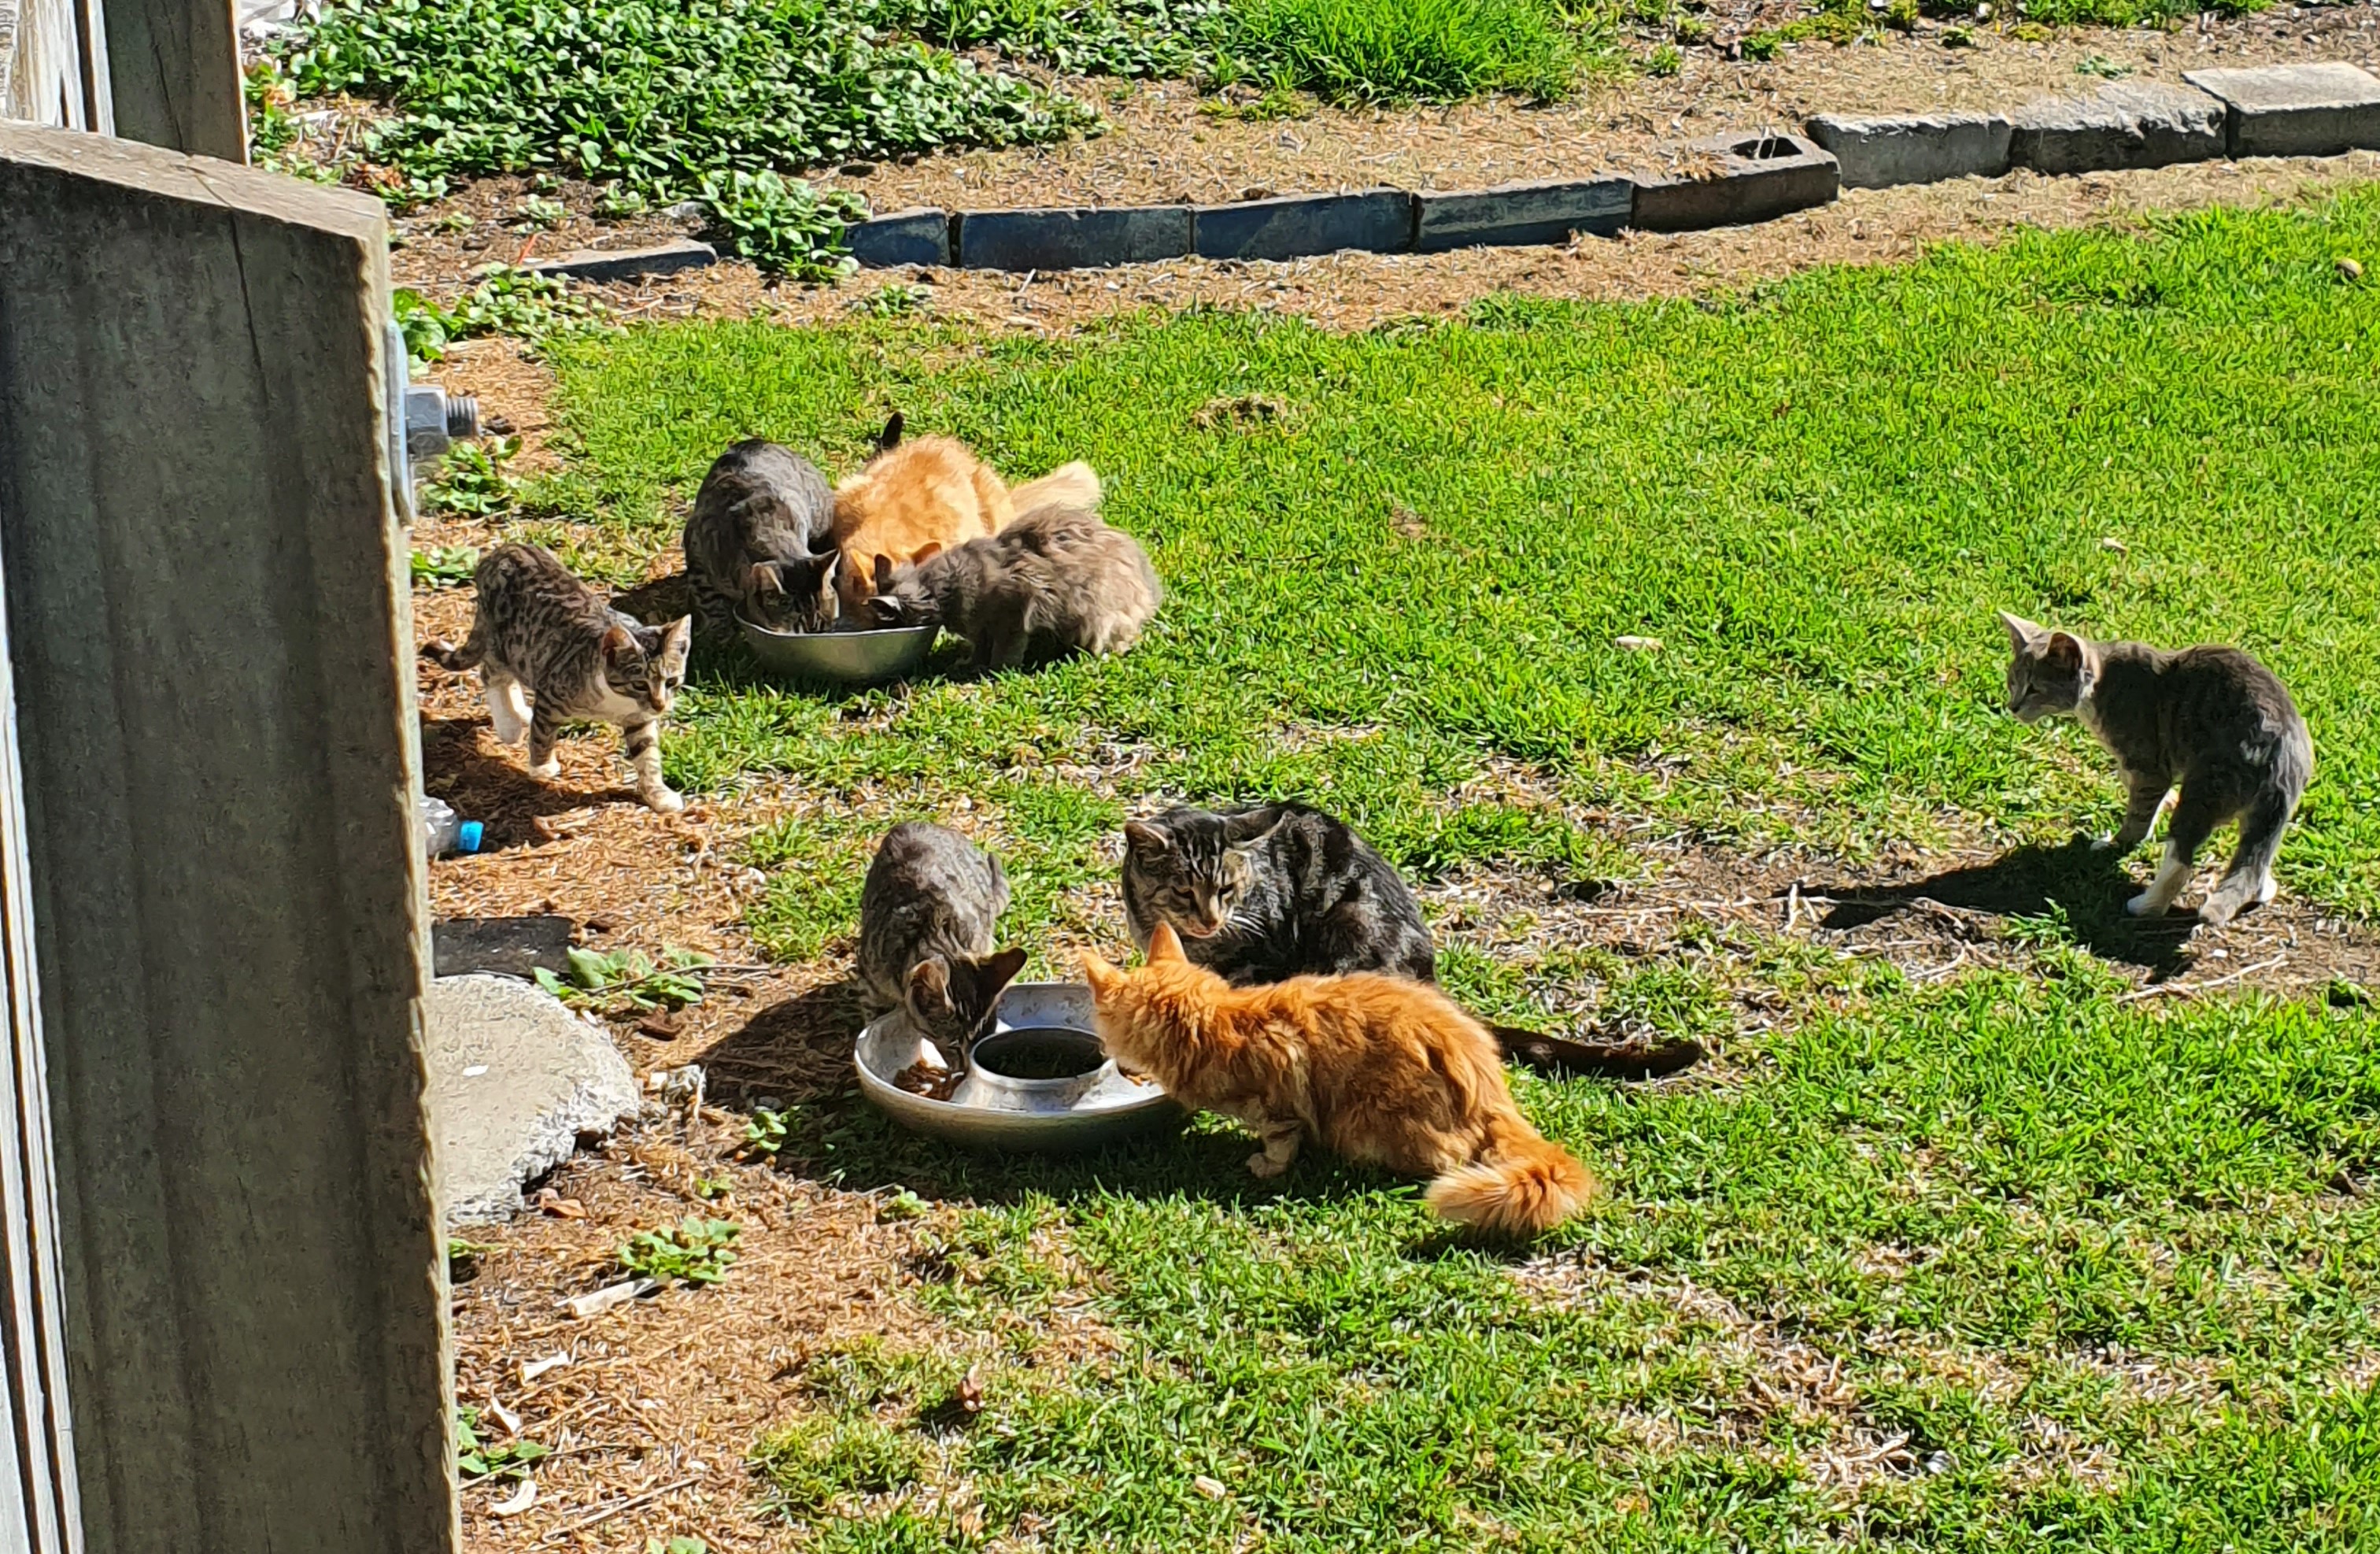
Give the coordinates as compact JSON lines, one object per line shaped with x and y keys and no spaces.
{"x":1301,"y":225}
{"x":1548,"y":211}
{"x":627,"y":264}
{"x":1759,"y":177}
{"x":1087,"y":239}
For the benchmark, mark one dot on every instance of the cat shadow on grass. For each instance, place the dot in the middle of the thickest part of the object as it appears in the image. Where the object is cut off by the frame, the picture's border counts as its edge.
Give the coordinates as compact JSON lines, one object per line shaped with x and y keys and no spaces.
{"x":2090,"y":887}
{"x":498,"y":791}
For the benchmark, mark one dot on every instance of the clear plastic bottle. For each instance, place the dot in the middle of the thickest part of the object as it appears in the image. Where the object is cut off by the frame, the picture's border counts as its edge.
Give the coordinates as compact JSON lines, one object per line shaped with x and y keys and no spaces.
{"x":443,"y":831}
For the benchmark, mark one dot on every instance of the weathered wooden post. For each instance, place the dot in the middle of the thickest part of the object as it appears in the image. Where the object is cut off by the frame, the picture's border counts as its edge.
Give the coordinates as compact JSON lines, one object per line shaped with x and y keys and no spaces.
{"x":174,"y":65}
{"x":207,"y":619}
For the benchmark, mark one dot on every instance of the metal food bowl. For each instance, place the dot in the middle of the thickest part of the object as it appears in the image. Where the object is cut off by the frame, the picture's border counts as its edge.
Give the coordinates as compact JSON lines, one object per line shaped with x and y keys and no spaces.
{"x":858,"y":657}
{"x":1060,"y":1093}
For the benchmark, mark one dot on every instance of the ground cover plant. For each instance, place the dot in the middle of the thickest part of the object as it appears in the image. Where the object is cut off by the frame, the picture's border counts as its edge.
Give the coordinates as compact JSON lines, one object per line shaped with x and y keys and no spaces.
{"x":1997,"y":1258}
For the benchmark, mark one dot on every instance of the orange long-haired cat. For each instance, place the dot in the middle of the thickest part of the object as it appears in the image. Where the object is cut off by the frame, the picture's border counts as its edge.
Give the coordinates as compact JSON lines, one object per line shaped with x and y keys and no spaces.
{"x":915,"y":499}
{"x":1377,"y":1068}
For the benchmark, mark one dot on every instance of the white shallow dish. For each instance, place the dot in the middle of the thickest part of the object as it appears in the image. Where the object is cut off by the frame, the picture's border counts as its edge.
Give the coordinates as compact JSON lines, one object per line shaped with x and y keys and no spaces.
{"x":992,"y":1111}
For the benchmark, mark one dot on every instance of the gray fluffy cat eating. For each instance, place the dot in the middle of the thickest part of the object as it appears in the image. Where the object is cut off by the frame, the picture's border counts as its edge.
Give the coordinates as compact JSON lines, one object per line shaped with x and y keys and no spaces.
{"x":1055,"y":581}
{"x":2211,"y":719}
{"x":928,"y":917}
{"x":539,"y":631}
{"x":760,"y":514}
{"x":1265,"y":894}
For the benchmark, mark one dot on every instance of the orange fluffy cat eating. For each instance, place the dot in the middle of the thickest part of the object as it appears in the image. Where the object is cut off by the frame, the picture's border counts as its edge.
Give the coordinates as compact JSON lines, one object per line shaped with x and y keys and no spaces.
{"x":1377,"y":1068}
{"x":918,"y":498}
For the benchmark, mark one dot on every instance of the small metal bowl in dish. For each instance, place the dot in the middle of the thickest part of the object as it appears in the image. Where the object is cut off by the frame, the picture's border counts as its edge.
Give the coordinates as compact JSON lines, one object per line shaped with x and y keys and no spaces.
{"x":858,"y":657}
{"x":1038,"y":1081}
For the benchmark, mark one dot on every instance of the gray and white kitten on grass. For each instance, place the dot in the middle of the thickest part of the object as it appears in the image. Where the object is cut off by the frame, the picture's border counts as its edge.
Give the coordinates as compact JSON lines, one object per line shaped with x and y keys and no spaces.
{"x":540,"y":633}
{"x":1055,"y":581}
{"x":2211,"y":719}
{"x":760,"y":514}
{"x":928,"y":915}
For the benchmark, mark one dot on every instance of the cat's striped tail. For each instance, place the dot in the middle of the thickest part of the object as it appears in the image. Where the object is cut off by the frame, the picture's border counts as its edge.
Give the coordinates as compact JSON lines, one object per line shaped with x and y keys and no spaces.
{"x":1529,"y":1185}
{"x":445,"y":655}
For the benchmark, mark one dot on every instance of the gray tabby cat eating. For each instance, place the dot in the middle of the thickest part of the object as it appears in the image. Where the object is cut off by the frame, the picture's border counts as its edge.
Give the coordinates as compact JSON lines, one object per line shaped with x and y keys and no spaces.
{"x":1053,"y":581}
{"x":1264,"y":894}
{"x":2211,"y":719}
{"x":539,"y":631}
{"x":761,"y":512}
{"x":928,"y":917}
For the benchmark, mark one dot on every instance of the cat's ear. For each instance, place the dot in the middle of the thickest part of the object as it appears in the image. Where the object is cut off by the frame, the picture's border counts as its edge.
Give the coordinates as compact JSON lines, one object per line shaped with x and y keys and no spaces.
{"x":619,"y":642}
{"x":2064,"y":653}
{"x":883,"y":574}
{"x":889,"y":438}
{"x":928,"y":554}
{"x":1097,"y":972}
{"x":994,"y":972}
{"x":765,"y":577}
{"x":1240,"y":829}
{"x":677,"y":641}
{"x":1164,"y":944}
{"x":2023,"y":634}
{"x":828,"y":565}
{"x":1146,"y":840}
{"x":930,"y":984}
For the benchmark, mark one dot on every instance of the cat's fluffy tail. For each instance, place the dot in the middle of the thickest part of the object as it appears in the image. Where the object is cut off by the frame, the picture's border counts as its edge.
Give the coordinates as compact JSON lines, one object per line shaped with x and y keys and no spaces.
{"x":1527,"y":1187}
{"x":1069,"y":485}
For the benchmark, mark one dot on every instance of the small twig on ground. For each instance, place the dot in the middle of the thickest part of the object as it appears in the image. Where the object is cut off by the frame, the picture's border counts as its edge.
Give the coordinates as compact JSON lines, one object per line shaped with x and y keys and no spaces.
{"x":618,"y":1507}
{"x":2191,"y":990}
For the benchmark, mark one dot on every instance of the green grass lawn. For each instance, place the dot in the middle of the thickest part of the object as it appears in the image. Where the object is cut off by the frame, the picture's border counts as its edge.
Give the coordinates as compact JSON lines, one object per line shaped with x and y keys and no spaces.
{"x":1995,"y":1262}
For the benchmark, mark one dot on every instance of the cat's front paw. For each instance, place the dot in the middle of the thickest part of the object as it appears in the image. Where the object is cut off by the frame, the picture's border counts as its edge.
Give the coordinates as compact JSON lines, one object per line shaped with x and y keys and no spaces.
{"x":549,"y":768}
{"x":664,"y":801}
{"x":2145,"y":904}
{"x":1264,"y":1168}
{"x":2103,"y":844}
{"x":2217,"y":911}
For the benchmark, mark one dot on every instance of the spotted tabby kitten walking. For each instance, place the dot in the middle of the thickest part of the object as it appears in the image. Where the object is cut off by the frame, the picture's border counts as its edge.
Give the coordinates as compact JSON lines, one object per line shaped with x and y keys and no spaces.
{"x":541,"y":633}
{"x":761,"y":513}
{"x":2211,"y":719}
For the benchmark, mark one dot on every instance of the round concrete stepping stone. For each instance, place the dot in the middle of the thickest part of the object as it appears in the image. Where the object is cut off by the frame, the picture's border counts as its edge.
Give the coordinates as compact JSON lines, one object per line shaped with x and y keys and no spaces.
{"x":514,"y":1079}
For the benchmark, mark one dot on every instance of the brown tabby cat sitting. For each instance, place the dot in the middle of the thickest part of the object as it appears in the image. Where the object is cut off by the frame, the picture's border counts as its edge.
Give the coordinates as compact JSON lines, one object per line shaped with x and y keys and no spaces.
{"x":1379,"y":1069}
{"x":2212,"y":718}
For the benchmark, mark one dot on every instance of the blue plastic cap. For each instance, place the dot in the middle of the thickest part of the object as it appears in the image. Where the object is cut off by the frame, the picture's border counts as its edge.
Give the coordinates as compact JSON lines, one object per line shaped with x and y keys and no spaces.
{"x":467,"y":836}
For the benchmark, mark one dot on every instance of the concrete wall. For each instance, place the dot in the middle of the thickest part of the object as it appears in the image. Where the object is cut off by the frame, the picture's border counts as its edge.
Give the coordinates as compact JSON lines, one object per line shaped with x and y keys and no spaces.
{"x":208,"y":620}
